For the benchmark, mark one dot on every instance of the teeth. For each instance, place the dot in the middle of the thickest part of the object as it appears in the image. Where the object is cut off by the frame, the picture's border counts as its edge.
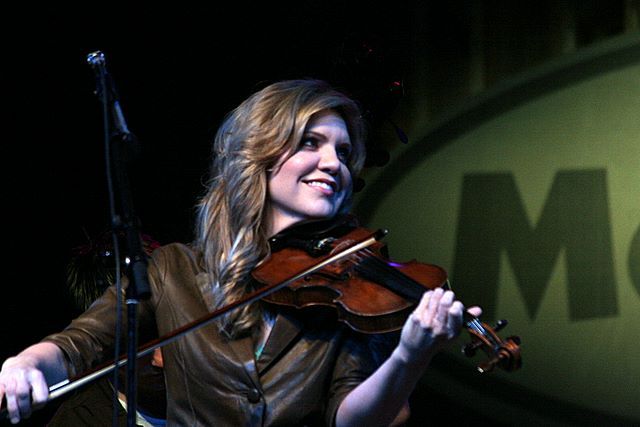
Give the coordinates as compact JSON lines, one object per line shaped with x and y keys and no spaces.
{"x":320,"y":184}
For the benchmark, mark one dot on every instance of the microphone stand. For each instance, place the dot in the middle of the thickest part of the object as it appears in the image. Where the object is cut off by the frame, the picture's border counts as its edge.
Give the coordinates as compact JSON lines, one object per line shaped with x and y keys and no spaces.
{"x":120,"y":146}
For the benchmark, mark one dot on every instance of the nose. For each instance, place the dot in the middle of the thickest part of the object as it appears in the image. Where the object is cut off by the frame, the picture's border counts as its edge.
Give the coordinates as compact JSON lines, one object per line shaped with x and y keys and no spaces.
{"x":329,"y":161}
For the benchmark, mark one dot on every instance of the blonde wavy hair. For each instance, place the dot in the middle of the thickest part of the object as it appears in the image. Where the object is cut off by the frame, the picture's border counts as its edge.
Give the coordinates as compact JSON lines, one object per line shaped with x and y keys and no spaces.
{"x":231,"y":217}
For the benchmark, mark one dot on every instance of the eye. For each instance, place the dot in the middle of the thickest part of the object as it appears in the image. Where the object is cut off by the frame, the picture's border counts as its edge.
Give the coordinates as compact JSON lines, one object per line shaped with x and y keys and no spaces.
{"x":309,"y":142}
{"x":344,"y":152}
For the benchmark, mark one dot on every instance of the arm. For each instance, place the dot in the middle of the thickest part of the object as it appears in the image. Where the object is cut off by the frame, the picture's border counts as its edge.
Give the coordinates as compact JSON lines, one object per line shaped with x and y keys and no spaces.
{"x":380,"y":398}
{"x":24,"y":378}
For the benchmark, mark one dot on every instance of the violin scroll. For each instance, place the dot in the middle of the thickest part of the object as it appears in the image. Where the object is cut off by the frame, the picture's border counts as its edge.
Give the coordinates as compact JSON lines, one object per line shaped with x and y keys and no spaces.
{"x":501,"y":353}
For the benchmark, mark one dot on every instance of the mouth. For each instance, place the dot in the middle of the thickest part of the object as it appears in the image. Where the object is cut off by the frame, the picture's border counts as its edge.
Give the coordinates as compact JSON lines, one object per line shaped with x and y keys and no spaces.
{"x":323,"y":184}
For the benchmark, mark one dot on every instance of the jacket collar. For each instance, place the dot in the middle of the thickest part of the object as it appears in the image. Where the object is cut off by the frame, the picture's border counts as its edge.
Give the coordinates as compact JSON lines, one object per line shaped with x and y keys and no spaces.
{"x":285,"y":329}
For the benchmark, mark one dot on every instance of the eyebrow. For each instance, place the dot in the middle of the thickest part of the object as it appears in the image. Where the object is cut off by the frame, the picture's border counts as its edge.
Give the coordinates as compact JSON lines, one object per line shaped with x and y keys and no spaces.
{"x":307,"y":132}
{"x":324,"y":137}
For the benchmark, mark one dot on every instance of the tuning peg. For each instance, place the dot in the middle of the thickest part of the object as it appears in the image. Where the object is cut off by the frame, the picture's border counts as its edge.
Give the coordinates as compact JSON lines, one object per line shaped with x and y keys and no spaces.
{"x":470,"y":349}
{"x":515,"y":339}
{"x":500,"y":324}
{"x":488,"y":365}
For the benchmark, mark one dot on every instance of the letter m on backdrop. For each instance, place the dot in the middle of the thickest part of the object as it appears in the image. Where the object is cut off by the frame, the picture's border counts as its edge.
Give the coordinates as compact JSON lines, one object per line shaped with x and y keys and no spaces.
{"x":575,"y":218}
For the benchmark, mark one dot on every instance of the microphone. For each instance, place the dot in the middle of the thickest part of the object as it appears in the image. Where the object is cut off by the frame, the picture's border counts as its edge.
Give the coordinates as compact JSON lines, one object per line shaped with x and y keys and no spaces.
{"x":98,"y":62}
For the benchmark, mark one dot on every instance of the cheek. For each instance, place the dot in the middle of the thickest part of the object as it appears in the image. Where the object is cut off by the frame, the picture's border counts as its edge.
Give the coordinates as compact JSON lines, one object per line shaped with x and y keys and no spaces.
{"x":346,"y":177}
{"x":285,"y":172}
{"x":293,"y":169}
{"x":301,"y":163}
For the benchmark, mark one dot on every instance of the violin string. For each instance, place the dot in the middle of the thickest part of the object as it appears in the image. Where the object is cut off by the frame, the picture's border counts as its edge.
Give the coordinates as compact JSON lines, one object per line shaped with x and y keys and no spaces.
{"x":366,"y":258}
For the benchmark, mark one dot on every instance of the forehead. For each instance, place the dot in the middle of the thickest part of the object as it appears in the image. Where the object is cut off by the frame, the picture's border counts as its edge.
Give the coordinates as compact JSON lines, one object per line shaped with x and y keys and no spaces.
{"x":328,"y":121}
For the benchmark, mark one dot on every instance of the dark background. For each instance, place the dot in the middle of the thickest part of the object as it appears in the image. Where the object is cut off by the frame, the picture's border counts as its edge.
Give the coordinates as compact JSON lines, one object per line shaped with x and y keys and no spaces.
{"x":178,"y":69}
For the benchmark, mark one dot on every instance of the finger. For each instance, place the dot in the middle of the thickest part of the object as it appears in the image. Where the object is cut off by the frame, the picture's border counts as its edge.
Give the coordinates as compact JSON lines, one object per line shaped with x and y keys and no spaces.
{"x":475,"y":311}
{"x":443,"y":308}
{"x":12,"y":402}
{"x":24,"y":405}
{"x":432,"y":307}
{"x":23,"y":395}
{"x":40,"y":390}
{"x":422,"y":306}
{"x":2,"y":393}
{"x":454,"y":321}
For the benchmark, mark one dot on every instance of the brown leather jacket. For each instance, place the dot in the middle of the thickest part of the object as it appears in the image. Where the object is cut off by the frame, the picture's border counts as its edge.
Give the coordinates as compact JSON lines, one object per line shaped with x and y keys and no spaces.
{"x":302,"y":375}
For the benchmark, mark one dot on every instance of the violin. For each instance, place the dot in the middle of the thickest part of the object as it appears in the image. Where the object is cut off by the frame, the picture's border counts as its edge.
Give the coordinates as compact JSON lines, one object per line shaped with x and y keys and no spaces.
{"x":349,"y":272}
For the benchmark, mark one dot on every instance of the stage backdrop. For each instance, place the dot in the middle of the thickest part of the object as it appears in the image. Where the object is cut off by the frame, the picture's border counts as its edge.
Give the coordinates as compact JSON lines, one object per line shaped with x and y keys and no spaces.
{"x":529,"y":196}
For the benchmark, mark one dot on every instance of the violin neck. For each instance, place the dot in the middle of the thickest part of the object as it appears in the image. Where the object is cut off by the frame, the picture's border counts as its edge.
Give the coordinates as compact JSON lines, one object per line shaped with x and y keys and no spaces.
{"x":377,"y":270}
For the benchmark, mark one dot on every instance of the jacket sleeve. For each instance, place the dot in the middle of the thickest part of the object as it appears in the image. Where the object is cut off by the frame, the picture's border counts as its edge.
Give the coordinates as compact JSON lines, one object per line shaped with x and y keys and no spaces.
{"x":89,"y":340}
{"x":359,"y":357}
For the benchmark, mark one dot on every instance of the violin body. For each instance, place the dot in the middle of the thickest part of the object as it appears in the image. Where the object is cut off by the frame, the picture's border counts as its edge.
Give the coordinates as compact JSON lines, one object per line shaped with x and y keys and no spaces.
{"x":364,"y":304}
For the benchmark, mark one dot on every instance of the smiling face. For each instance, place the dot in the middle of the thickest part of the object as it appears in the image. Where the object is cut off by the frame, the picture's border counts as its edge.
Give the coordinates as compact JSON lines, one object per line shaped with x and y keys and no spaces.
{"x":314,"y":181}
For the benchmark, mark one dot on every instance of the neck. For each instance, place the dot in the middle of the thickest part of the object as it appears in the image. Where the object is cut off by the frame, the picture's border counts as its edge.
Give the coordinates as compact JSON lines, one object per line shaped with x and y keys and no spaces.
{"x":278,"y":223}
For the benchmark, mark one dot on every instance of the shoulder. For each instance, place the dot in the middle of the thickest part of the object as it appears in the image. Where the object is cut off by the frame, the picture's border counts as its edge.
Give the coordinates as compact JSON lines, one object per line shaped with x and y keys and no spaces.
{"x":176,"y":256}
{"x":174,"y":249}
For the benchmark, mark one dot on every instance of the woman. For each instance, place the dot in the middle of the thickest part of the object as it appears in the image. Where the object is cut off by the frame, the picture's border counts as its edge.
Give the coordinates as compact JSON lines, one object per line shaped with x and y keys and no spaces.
{"x":284,"y":161}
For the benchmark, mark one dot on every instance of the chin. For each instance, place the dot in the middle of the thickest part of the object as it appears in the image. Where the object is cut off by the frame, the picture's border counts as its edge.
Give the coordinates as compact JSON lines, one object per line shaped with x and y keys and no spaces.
{"x":322,"y":214}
